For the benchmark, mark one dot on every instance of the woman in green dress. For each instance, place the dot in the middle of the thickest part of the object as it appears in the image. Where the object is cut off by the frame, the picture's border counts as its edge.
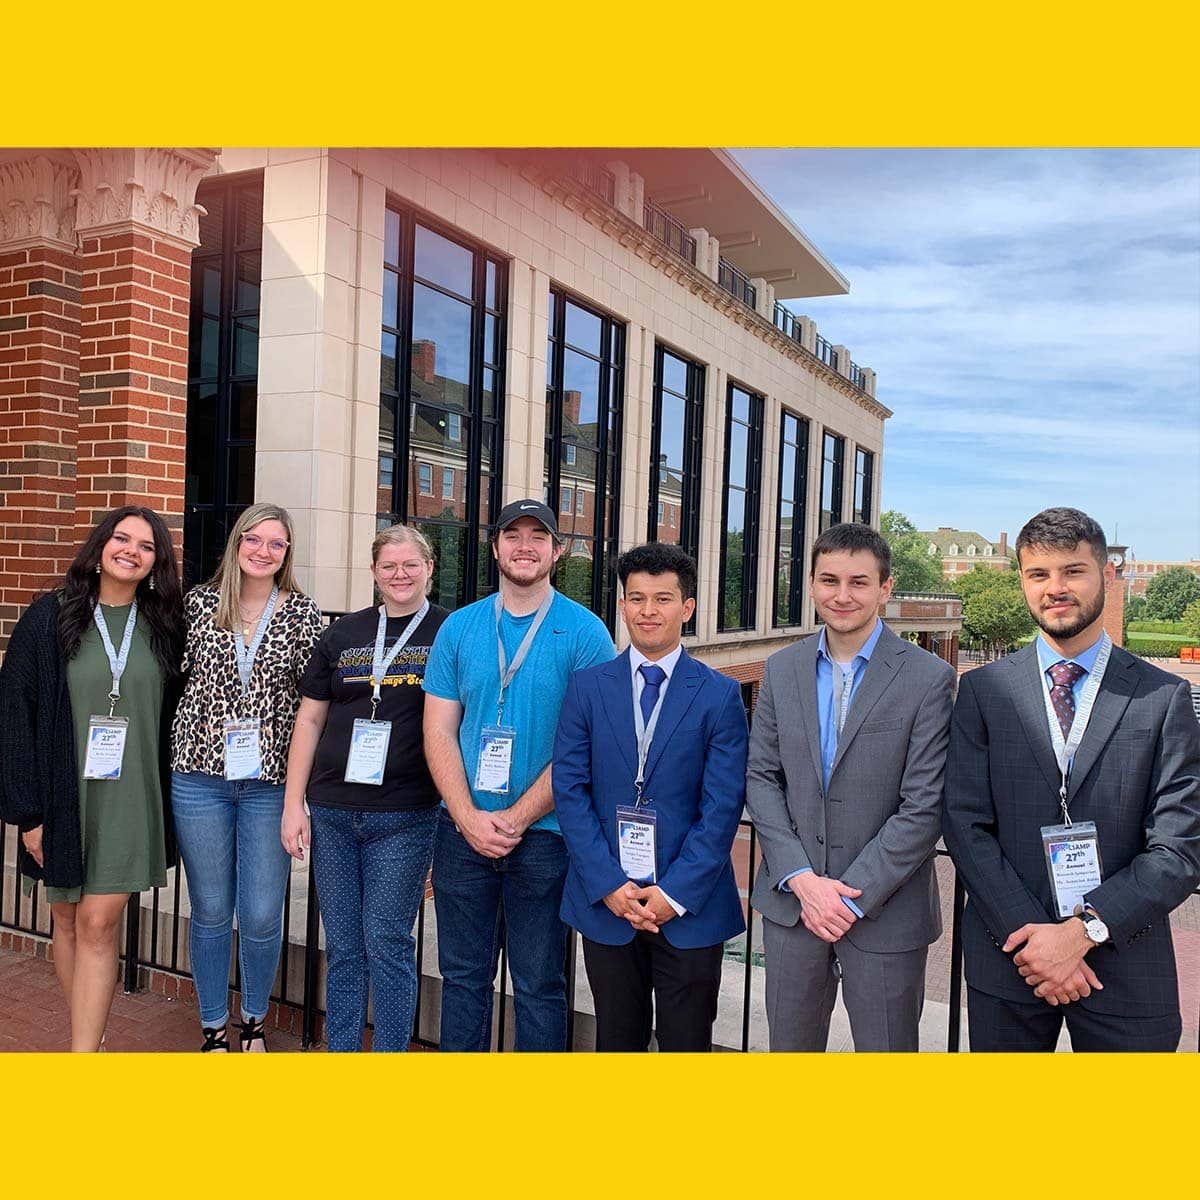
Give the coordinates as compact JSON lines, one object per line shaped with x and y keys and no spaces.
{"x":86,"y":691}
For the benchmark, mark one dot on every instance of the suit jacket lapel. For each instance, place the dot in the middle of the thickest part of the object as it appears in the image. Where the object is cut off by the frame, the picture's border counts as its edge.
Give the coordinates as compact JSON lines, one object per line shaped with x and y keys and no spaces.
{"x":806,"y":690}
{"x":882,"y":668}
{"x":681,"y":691}
{"x":616,"y":689}
{"x":1111,"y":702}
{"x":1028,"y":690}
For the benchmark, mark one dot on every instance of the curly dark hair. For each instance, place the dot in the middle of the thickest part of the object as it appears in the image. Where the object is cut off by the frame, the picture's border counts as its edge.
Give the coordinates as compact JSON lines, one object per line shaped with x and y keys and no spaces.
{"x":660,"y":558}
{"x":160,"y":606}
{"x":1063,"y":529}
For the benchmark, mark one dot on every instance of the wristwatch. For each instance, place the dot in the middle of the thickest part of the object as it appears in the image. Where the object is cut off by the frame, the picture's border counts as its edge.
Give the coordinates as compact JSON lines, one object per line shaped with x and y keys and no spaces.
{"x":1095,"y":928}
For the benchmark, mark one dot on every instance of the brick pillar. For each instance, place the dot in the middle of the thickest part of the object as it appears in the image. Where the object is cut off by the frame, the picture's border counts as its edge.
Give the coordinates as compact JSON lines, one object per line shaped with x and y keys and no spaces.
{"x":137,"y":224}
{"x":1114,"y":598}
{"x":39,"y":373}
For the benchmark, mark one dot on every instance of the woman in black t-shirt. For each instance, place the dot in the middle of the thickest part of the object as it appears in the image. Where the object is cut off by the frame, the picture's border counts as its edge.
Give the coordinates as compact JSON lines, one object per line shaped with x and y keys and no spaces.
{"x":358,"y":753}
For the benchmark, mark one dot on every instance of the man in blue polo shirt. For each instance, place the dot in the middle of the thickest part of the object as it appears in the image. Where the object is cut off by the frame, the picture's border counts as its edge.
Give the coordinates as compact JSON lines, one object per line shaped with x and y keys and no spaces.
{"x":494,"y":684}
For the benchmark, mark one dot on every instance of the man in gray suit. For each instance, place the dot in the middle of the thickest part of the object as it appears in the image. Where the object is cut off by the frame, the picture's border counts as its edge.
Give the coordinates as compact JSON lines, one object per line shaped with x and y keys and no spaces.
{"x":1073,"y":815}
{"x":844,"y":785}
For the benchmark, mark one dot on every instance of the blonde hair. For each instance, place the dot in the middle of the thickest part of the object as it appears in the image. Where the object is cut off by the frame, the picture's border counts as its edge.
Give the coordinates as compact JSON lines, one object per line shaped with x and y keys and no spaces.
{"x":404,"y":535}
{"x":227,"y":578}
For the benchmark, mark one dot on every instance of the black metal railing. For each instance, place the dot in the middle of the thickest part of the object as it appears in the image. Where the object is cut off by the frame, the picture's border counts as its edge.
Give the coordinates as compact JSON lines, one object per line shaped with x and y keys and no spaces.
{"x":38,"y":924}
{"x":826,"y":353}
{"x":858,"y":376}
{"x":672,"y":233}
{"x":736,"y":284}
{"x":598,"y":180}
{"x":786,"y":321}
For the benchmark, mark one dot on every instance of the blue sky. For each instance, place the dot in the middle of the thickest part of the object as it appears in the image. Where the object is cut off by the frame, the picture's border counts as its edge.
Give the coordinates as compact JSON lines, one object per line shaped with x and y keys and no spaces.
{"x":1034,"y":318}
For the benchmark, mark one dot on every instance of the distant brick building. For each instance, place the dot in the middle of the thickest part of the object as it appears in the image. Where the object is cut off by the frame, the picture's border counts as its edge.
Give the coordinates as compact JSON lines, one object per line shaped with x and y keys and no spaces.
{"x":1139,"y":573}
{"x":961,"y":550}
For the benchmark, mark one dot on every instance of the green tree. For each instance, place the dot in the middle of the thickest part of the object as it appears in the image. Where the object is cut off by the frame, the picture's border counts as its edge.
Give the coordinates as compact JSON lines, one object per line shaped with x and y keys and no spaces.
{"x":1191,"y":620}
{"x":913,"y":568}
{"x":995,"y":616}
{"x":1135,"y":610}
{"x":1168,"y":594}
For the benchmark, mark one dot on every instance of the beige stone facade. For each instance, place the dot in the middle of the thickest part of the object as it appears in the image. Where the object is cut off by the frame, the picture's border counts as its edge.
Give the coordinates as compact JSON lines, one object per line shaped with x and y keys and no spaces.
{"x":321,"y":303}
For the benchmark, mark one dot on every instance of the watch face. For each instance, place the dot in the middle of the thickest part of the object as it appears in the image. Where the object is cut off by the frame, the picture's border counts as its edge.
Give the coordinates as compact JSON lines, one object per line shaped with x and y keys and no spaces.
{"x":1096,"y":930}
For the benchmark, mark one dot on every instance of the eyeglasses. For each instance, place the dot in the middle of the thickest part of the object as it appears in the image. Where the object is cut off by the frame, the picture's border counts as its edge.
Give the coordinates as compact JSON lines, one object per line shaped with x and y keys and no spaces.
{"x":389,"y":570}
{"x":276,"y":546}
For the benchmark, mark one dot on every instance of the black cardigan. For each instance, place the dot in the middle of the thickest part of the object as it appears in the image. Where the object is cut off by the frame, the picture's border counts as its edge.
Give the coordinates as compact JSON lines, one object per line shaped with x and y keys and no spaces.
{"x":39,"y":781}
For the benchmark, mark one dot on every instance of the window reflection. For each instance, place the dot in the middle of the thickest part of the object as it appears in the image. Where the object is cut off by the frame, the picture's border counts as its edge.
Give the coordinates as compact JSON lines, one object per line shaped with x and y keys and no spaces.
{"x":739,"y":535}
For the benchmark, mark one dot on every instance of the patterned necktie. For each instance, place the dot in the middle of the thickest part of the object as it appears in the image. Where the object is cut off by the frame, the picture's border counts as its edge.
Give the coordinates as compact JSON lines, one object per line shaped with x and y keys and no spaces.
{"x":1064,"y":674}
{"x":652,"y":677}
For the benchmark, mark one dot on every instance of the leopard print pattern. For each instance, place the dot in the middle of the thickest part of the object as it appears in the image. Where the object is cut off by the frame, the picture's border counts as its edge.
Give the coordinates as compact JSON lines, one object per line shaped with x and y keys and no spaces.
{"x":213,"y":694}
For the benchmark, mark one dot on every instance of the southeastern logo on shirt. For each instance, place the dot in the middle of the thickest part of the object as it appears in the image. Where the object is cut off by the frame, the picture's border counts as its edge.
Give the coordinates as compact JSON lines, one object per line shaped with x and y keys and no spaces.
{"x":354,"y":666}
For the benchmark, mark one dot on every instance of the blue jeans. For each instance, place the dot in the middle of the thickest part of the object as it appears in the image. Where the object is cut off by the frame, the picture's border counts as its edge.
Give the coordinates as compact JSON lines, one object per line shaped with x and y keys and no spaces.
{"x":481,"y":902}
{"x":370,"y":870}
{"x":228,"y":833}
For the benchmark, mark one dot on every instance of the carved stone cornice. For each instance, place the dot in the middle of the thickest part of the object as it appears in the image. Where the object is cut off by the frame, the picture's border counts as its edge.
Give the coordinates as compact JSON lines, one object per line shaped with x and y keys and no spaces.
{"x":36,"y":204}
{"x":639,"y":241}
{"x":151,"y":188}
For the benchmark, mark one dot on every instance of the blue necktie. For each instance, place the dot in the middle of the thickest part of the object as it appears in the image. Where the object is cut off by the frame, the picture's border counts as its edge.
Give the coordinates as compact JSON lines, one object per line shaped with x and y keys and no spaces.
{"x":653,"y":678}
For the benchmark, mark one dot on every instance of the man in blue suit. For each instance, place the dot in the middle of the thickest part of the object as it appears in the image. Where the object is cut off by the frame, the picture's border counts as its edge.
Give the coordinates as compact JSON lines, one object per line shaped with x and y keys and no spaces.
{"x":649,"y":779}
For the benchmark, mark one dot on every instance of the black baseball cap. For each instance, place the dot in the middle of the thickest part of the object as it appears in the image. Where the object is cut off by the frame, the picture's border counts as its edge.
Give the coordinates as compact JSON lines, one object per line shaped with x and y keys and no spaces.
{"x":540,"y":512}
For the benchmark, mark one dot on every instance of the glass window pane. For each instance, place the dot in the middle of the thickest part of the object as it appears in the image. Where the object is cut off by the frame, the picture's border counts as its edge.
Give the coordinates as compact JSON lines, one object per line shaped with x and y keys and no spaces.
{"x":241,"y":475}
{"x":210,"y":289}
{"x":449,"y":543}
{"x":443,"y":262}
{"x":489,"y":393}
{"x":674,"y":374}
{"x":201,"y":467}
{"x":487,"y":435}
{"x":671,"y":431}
{"x":740,"y":405}
{"x":491,"y":350}
{"x":739,"y":449}
{"x":249,"y":219}
{"x":735,"y":521}
{"x":243,"y":410}
{"x":490,"y":298}
{"x":573,"y":576}
{"x":430,"y":439}
{"x":245,"y":347}
{"x":583,"y":329}
{"x":249,"y":272}
{"x":391,"y":237}
{"x":581,"y":398}
{"x":210,"y":332}
{"x":787,"y":472}
{"x":441,"y":348}
{"x":391,"y":298}
{"x":387,"y":362}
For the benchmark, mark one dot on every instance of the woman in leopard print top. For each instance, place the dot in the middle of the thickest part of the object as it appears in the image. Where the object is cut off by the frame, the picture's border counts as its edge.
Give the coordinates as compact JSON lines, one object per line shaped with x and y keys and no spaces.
{"x":227,"y":807}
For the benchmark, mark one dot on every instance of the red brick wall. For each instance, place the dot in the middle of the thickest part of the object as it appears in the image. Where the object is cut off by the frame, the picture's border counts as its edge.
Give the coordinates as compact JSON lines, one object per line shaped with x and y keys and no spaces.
{"x":39,"y":381}
{"x":133,"y":376}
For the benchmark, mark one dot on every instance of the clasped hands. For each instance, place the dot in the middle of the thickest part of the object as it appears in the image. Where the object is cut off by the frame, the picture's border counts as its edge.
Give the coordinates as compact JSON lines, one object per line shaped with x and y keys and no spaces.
{"x":644,"y":908}
{"x":822,"y":909}
{"x":1052,"y":961}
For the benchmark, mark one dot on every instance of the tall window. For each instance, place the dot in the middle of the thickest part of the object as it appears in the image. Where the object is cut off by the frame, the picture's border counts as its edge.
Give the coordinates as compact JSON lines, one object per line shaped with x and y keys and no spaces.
{"x":440,"y":396}
{"x":676,"y":442}
{"x":833,"y":456}
{"x":222,"y":391}
{"x":864,"y":470}
{"x":791,"y":520}
{"x":739,"y":511}
{"x":585,"y":358}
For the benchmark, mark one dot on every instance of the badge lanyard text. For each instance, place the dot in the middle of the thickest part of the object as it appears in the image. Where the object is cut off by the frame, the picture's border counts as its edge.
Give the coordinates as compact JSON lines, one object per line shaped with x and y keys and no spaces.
{"x":645,"y":734}
{"x":246,"y":655}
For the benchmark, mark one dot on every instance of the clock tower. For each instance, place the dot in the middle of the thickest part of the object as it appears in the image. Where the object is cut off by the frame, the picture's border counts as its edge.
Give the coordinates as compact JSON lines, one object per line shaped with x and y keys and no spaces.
{"x":1114,"y":598}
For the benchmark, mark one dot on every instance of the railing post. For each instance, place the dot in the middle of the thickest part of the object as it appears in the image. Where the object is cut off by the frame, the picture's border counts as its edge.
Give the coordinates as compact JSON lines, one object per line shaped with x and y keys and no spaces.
{"x":133,"y":916}
{"x":954,"y":1031}
{"x":312,"y":951}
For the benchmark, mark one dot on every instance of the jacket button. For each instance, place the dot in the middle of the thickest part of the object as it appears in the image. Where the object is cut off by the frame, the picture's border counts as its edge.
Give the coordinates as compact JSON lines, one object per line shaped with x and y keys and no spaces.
{"x":820,"y":840}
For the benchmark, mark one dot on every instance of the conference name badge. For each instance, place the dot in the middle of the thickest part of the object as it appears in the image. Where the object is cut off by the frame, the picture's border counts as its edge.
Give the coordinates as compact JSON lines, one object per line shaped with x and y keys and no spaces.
{"x":635,"y":843}
{"x":105,"y":747}
{"x":494,"y":771}
{"x":243,"y":749}
{"x":368,"y":751}
{"x":1073,"y":860}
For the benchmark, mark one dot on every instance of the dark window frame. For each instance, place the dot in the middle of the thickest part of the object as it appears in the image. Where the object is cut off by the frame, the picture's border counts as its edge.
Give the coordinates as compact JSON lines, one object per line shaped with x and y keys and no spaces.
{"x":836,"y":497}
{"x":478,"y":569}
{"x":207,"y":524}
{"x":795,"y":597}
{"x":753,"y":500}
{"x":609,"y":421}
{"x":693,"y":450}
{"x":864,"y":481}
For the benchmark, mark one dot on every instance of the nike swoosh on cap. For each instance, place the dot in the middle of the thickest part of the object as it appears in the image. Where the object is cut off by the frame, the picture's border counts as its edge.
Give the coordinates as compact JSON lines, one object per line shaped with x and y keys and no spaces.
{"x":525,"y":507}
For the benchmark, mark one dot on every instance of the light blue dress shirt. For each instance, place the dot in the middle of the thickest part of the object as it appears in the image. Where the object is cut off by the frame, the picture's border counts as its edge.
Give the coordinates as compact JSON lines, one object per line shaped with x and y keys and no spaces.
{"x":827,"y":702}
